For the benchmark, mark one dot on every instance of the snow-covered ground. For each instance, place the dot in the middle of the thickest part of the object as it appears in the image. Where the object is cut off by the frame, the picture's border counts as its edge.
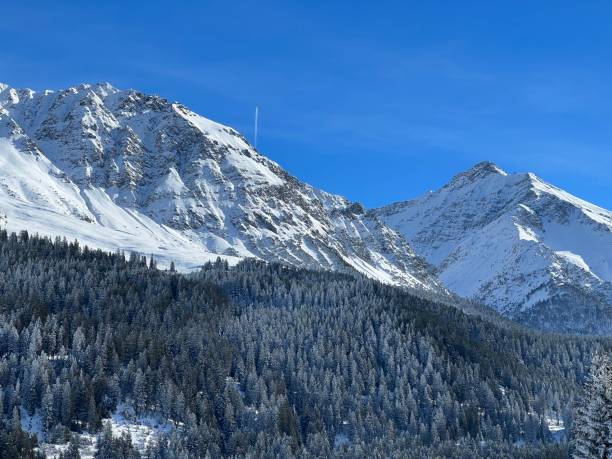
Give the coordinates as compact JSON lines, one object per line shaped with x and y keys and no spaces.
{"x":144,"y":431}
{"x":557,"y":428}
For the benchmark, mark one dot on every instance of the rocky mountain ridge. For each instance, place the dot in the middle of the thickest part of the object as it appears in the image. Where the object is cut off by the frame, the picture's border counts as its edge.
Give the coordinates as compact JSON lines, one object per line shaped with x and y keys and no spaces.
{"x":119,"y":169}
{"x":525,"y":247}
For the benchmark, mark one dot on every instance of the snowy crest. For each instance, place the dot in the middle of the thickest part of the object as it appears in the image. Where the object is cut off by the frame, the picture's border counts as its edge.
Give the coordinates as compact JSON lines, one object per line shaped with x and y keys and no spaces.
{"x":517,"y":243}
{"x":119,"y":169}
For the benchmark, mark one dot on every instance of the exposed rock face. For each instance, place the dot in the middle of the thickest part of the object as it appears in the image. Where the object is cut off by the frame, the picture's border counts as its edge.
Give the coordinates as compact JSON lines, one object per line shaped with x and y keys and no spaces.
{"x":122,"y":169}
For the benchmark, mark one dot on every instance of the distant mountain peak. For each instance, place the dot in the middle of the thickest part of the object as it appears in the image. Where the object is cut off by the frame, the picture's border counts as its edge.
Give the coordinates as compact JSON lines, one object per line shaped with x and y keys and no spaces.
{"x":487,"y":167}
{"x":476,"y":172}
{"x":525,"y":247}
{"x":103,"y":87}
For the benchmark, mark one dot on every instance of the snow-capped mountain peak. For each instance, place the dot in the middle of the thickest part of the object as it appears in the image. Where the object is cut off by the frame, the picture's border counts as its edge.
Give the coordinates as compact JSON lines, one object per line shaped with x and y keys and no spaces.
{"x":516,"y":243}
{"x":478,"y":171}
{"x":120,"y":169}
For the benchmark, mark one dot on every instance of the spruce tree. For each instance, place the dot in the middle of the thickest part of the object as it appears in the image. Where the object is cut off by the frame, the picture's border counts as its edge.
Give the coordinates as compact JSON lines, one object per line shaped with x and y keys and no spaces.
{"x":592,"y":430}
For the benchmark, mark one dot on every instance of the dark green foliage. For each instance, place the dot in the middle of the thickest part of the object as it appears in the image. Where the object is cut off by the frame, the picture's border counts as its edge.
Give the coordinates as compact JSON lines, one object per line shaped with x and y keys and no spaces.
{"x":287,"y":423}
{"x":268,"y":361}
{"x":16,"y":443}
{"x":109,"y":447}
{"x":592,"y":430}
{"x":72,"y":452}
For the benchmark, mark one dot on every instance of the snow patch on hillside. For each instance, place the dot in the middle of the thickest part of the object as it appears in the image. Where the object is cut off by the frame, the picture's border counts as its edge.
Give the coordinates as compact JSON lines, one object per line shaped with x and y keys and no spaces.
{"x":144,"y":431}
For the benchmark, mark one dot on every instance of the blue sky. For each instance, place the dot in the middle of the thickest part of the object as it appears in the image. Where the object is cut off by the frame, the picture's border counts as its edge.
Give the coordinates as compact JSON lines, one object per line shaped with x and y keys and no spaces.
{"x":378,"y":101}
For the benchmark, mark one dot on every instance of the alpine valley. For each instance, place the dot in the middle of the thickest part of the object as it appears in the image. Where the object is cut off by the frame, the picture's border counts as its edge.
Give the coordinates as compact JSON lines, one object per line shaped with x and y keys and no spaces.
{"x":255,"y":316}
{"x":122,"y":170}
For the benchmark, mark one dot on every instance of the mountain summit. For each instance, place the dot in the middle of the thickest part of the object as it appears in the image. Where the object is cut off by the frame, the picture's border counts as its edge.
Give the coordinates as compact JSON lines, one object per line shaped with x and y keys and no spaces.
{"x":513,"y":241}
{"x":479,"y":171}
{"x":125,"y":170}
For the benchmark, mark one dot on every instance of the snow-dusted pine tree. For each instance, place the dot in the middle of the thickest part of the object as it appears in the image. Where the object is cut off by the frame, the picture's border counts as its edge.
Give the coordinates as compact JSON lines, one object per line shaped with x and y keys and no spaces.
{"x":592,"y":431}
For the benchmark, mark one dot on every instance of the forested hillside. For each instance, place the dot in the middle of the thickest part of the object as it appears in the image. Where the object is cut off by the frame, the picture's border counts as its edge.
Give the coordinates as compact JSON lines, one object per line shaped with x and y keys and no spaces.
{"x":261,"y":360}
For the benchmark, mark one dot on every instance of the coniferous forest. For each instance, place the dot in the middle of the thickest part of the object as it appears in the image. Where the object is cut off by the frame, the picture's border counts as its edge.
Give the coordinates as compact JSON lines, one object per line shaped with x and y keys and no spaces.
{"x":261,"y":360}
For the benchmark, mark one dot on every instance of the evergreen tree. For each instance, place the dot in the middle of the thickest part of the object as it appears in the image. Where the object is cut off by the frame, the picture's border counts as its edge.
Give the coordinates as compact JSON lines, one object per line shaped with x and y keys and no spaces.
{"x":73,"y":450}
{"x":105,"y":445}
{"x":592,"y":429}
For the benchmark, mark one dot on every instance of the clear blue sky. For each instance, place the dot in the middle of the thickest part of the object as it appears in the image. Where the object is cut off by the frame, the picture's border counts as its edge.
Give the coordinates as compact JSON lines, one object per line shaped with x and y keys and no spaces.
{"x":378,"y":101}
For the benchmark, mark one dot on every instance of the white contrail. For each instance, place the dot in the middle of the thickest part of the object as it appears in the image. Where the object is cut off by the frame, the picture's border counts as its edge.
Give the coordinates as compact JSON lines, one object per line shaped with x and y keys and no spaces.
{"x":256,"y":121}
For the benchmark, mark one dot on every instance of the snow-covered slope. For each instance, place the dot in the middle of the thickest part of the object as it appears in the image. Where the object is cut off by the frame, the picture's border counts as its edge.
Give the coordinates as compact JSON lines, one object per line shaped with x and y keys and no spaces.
{"x":125,"y":170}
{"x":517,"y":243}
